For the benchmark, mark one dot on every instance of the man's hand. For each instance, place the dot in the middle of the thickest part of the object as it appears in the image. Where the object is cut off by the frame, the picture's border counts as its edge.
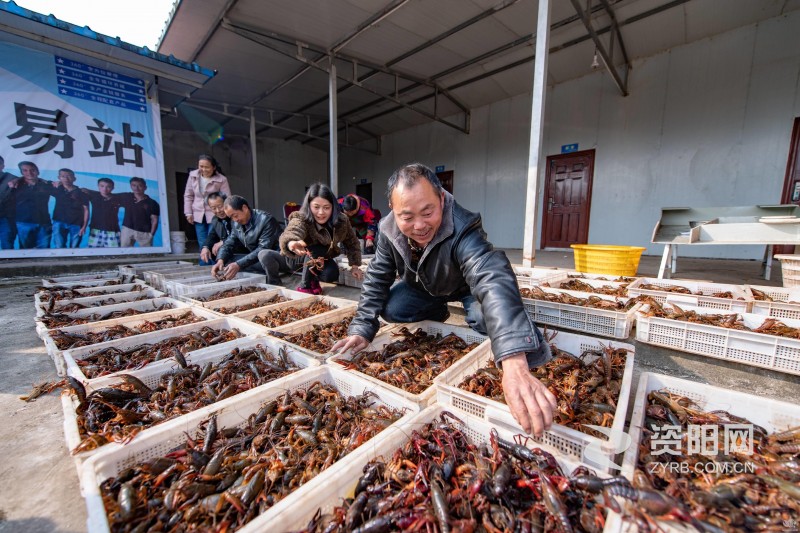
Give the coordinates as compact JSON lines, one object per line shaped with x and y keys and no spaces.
{"x":205,"y":255}
{"x":190,"y":219}
{"x":219,"y":265}
{"x":531,"y":403}
{"x":82,"y":232}
{"x":231,"y":270}
{"x":353,"y":343}
{"x":357,"y":272}
{"x":13,"y":183}
{"x":369,"y":246}
{"x":216,"y":247}
{"x":297,"y":247}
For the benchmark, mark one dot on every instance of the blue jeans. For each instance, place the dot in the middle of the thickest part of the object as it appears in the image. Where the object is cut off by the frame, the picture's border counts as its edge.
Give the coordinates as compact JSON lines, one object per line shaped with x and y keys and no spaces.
{"x":201,"y":228}
{"x":66,"y":235}
{"x":33,"y":235}
{"x":407,"y":304}
{"x":8,"y":232}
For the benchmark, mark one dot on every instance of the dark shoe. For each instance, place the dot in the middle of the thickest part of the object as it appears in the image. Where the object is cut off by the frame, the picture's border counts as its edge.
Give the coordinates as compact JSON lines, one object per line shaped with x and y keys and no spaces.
{"x":277,"y":282}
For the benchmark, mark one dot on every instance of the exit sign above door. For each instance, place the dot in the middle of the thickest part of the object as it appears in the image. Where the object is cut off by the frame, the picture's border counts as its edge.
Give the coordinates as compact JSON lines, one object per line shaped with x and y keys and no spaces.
{"x":567,"y":148}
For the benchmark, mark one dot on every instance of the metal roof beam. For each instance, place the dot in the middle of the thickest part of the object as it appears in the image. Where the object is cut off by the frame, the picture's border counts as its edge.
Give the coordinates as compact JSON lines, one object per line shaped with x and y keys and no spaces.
{"x":272,"y":124}
{"x":622,"y":84}
{"x":258,"y":38}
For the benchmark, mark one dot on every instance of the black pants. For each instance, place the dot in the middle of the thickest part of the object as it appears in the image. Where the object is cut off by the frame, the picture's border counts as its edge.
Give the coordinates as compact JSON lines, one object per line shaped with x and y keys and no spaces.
{"x":329,"y":273}
{"x":270,"y":262}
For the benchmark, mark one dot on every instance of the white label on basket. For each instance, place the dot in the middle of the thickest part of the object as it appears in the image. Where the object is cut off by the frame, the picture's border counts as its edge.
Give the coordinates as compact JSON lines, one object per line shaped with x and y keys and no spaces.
{"x":598,"y":452}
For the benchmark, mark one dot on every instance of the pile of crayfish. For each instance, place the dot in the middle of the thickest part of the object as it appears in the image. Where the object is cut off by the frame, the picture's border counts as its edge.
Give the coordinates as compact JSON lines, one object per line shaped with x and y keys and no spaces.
{"x":582,"y":286}
{"x":770,"y":326}
{"x":440,"y":481}
{"x":587,"y":387}
{"x":287,"y":315}
{"x":118,"y":412}
{"x":73,"y":306}
{"x":679,"y":289}
{"x":758,"y":490}
{"x":63,"y":320}
{"x":595,"y":302}
{"x":225,"y":310}
{"x":412,"y":362}
{"x":222,"y":478}
{"x":65,"y":340}
{"x":320,"y":338}
{"x":113,"y":359}
{"x":230,"y":293}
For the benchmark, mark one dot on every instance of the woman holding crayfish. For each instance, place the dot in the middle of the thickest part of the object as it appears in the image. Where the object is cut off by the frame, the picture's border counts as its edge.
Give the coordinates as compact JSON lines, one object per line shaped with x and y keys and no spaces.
{"x":315,"y":231}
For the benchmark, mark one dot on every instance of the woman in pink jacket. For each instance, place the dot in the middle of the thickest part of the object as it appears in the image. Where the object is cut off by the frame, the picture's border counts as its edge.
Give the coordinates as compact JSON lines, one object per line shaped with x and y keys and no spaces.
{"x":206,"y":179}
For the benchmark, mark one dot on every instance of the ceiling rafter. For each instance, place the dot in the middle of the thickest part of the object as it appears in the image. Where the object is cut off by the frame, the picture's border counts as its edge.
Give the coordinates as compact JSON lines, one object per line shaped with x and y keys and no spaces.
{"x":266,"y":39}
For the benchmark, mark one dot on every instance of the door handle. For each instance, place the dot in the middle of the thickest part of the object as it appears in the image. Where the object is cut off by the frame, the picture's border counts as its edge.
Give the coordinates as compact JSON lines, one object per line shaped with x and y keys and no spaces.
{"x":550,"y":205}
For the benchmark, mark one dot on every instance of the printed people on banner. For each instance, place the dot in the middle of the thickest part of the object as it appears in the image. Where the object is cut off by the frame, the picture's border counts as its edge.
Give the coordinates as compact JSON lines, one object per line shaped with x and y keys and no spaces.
{"x":8,"y":228}
{"x":104,"y":229}
{"x":71,"y":214}
{"x":141,"y":215}
{"x":32,"y":194}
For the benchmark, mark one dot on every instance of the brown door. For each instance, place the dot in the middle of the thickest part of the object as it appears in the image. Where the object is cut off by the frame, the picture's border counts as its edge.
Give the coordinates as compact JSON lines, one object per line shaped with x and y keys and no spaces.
{"x":446,"y":178}
{"x":567,"y":195}
{"x":791,"y":182}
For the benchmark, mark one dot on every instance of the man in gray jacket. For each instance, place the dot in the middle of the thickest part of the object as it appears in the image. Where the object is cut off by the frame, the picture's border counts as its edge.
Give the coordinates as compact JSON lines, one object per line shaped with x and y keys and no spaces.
{"x":252,"y":243}
{"x":440,"y":251}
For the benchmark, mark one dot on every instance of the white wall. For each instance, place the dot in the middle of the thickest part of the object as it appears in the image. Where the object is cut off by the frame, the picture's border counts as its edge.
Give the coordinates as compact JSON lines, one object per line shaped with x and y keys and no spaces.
{"x":706,"y":124}
{"x":284,"y":168}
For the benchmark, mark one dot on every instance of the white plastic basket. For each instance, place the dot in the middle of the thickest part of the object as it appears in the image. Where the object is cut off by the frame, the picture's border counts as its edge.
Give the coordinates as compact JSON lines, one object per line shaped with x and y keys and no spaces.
{"x":100,"y":301}
{"x":136,"y":269}
{"x":230,"y":412}
{"x":151,"y":374}
{"x":772,"y":415}
{"x":790,"y":269}
{"x":305,"y":325}
{"x":531,"y":276}
{"x":211,"y":290}
{"x":90,"y":279}
{"x":569,"y":442}
{"x":150,"y":305}
{"x":785,"y":304}
{"x":428,"y":396}
{"x":300,"y":303}
{"x":596,"y":285}
{"x":616,"y":324}
{"x":739,"y":303}
{"x":326,"y":496}
{"x":756,"y":349}
{"x":188,"y":288}
{"x":39,"y":299}
{"x":76,"y":354}
{"x":57,"y":354}
{"x":159,"y":278}
{"x":247,"y":299}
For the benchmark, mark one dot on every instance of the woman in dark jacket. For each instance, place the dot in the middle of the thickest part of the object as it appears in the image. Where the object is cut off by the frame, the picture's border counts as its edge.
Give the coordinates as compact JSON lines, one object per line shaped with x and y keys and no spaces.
{"x":315,"y":231}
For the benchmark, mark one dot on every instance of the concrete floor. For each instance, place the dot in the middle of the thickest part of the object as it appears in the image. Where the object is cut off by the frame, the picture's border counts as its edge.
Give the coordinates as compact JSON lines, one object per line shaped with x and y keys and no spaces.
{"x":40,"y":493}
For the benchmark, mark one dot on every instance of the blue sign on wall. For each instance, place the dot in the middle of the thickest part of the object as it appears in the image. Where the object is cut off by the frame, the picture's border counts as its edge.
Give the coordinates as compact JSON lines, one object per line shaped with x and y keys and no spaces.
{"x":567,"y":148}
{"x":440,"y":168}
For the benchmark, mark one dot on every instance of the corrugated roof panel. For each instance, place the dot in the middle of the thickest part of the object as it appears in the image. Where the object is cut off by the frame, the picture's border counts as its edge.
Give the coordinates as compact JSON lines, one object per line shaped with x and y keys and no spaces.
{"x":195,"y":21}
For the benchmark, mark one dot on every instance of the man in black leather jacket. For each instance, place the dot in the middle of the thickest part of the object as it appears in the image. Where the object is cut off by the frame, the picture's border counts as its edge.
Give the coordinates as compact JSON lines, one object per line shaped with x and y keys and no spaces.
{"x":255,"y":232}
{"x":441,"y":253}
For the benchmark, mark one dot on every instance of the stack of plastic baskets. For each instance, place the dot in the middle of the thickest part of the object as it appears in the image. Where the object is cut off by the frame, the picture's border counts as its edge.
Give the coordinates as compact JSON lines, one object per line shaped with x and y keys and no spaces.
{"x":607,"y":259}
{"x":790,"y":269}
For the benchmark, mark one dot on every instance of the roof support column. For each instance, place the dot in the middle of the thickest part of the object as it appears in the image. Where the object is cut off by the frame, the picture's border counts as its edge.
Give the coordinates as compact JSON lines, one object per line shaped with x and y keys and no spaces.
{"x":254,"y":153}
{"x":333,"y":129}
{"x":537,"y":129}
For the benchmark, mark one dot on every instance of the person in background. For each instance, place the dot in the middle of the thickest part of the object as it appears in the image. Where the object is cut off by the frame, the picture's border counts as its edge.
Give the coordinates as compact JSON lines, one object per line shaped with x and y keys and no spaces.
{"x":104,"y":224}
{"x":221,"y":226}
{"x":363,"y":218}
{"x":71,"y":213}
{"x":315,"y":232}
{"x":441,"y":253}
{"x":32,"y":212}
{"x":140,"y":221}
{"x":207,"y":178}
{"x":8,"y":206}
{"x":251,"y":244}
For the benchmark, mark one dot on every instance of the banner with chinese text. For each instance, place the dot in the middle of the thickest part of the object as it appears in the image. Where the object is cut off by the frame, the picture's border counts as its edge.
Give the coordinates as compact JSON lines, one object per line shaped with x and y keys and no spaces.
{"x":82,"y":162}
